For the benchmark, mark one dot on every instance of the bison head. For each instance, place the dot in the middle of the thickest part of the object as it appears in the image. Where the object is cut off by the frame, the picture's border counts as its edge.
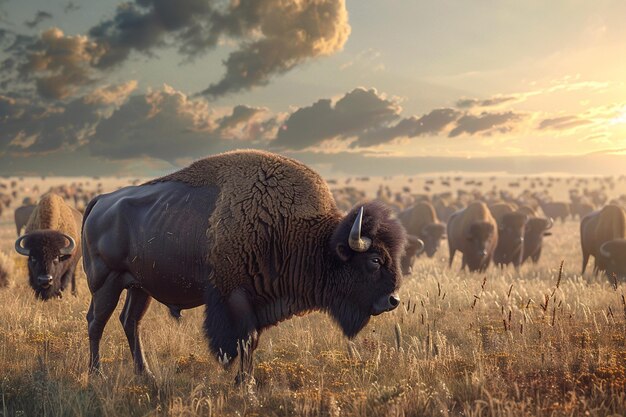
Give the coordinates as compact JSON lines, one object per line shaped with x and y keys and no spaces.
{"x":49,"y":252}
{"x":536,"y":229}
{"x":511,"y":238}
{"x":480,"y":241}
{"x":367,"y":245}
{"x":432,"y":234}
{"x":614,"y":251}
{"x":414,"y":246}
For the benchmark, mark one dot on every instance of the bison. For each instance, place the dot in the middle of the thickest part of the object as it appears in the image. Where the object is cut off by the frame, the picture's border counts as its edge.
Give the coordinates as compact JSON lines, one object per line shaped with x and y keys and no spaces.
{"x":421,"y":220}
{"x":414,"y":247}
{"x":474,"y":232}
{"x":254,"y":236}
{"x":21,"y":215}
{"x":597,"y":230}
{"x":556,"y":210}
{"x":536,"y":229}
{"x":510,"y":249}
{"x":51,"y":241}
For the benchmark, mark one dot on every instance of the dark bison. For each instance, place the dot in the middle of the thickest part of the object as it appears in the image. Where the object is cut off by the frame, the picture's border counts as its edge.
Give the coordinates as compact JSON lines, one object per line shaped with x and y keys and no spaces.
{"x":556,"y":210}
{"x":414,"y":246}
{"x":421,"y":220}
{"x":22,"y":214}
{"x":510,"y":249}
{"x":255,"y":237}
{"x":51,"y":241}
{"x":474,"y":232}
{"x":536,"y":229}
{"x":600,"y":228}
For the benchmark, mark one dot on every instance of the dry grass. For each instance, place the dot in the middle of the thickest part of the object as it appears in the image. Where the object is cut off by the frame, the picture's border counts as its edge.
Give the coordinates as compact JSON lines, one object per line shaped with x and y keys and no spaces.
{"x":498,"y":344}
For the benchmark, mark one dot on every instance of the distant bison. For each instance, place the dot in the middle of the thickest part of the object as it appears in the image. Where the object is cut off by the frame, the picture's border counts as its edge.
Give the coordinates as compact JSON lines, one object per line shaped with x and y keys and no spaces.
{"x":536,"y":229}
{"x":510,"y":249}
{"x":52,"y":243}
{"x":21,"y":215}
{"x":474,"y":232}
{"x":556,"y":210}
{"x":255,"y":237}
{"x":421,"y":220}
{"x":414,"y":247}
{"x":597,"y":230}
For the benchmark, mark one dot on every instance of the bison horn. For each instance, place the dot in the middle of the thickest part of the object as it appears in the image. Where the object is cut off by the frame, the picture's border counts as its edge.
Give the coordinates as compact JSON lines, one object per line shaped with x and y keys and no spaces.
{"x":603,"y":250}
{"x":21,"y":249}
{"x":355,"y":241}
{"x":550,"y":223}
{"x":68,"y":249}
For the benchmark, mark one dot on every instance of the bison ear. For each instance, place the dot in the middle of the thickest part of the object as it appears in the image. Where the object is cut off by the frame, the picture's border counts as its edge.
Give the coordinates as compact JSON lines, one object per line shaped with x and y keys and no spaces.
{"x":343,"y":252}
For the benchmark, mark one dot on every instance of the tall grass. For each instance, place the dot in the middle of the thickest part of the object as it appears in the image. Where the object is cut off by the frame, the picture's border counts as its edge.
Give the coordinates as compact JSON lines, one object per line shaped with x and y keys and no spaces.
{"x":499,"y":344}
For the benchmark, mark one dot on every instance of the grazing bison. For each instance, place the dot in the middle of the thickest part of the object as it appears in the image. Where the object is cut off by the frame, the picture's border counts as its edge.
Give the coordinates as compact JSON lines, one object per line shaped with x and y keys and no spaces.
{"x":510,"y":247}
{"x":421,"y":220}
{"x":474,"y":232}
{"x":598,"y":228}
{"x":614,"y":251}
{"x":556,"y":210}
{"x":51,"y":241}
{"x":414,"y":247}
{"x":255,"y":237}
{"x":22,"y":214}
{"x":536,"y":229}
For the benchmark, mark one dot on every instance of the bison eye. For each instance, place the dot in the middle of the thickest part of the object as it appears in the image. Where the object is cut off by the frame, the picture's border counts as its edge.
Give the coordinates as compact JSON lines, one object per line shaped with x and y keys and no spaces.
{"x":376,"y":261}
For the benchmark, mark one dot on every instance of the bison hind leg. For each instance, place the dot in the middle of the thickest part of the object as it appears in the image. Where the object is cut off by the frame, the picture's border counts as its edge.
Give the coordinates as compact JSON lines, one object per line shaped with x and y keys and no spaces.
{"x":136,"y":305}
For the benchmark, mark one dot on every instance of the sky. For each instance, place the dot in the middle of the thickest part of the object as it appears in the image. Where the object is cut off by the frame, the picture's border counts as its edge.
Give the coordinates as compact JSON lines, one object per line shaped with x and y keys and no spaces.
{"x":384,"y":87}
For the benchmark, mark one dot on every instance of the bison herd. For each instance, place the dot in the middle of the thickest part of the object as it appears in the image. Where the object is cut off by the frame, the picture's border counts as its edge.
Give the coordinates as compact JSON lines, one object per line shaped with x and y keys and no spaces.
{"x":257,"y":238}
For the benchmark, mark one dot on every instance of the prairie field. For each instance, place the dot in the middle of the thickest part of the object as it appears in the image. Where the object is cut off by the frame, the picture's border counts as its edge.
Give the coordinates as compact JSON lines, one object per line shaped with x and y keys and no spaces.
{"x":541,"y":341}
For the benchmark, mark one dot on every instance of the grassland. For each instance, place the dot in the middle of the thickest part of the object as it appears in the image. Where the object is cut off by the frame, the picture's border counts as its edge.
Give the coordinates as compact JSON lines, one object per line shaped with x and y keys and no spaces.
{"x":496,"y":344}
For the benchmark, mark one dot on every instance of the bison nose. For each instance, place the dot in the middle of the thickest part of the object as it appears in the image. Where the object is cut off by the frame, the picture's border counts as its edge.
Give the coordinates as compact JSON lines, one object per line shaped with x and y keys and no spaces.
{"x":385,"y":303}
{"x":44,"y":280}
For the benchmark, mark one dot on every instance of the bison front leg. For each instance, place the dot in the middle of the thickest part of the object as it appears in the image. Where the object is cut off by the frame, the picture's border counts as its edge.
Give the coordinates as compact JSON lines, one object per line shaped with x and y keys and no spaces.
{"x":136,"y":305}
{"x":230,"y":327}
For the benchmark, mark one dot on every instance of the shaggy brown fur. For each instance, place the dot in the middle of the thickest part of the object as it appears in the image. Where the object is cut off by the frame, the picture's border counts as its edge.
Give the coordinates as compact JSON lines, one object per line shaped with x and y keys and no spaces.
{"x":53,"y":213}
{"x":600,"y":227}
{"x":527,"y":210}
{"x":471,"y":231}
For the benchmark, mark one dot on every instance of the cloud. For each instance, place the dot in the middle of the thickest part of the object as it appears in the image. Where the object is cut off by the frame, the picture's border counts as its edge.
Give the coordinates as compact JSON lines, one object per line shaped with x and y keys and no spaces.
{"x":562,"y":123}
{"x":274,"y":35}
{"x":431,"y":123}
{"x":39,"y":17}
{"x":30,"y":127}
{"x":486,"y":123}
{"x":59,"y":63}
{"x":468,"y":103}
{"x":354,"y":113}
{"x":168,"y":125}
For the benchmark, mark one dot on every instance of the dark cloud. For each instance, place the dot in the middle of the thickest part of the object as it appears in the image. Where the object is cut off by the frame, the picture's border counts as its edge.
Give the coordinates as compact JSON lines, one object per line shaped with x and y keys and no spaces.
{"x":70,"y":6}
{"x":30,"y":127}
{"x":468,"y":103}
{"x":485,"y":123}
{"x":39,"y":17}
{"x":165,"y":125}
{"x":241,"y":114}
{"x":562,"y":123}
{"x":431,"y":123}
{"x":353,"y":114}
{"x":274,"y":36}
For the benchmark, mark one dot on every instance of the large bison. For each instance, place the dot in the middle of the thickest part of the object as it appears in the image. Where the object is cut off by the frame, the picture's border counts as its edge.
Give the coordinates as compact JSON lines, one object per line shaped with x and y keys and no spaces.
{"x":51,"y":240}
{"x":421,"y":220}
{"x":255,"y":237}
{"x":510,"y":249}
{"x":474,"y":232}
{"x":600,"y":234}
{"x":536,"y":229}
